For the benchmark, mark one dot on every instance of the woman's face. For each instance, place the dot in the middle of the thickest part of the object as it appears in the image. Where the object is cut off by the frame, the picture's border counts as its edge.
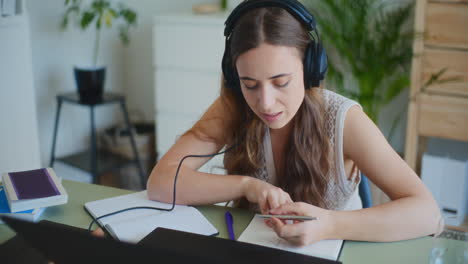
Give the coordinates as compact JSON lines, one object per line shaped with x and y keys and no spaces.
{"x":272,"y":82}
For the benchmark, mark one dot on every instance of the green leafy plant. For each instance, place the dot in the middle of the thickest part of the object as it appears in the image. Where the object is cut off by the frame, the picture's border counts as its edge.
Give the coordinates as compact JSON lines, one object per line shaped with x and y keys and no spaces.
{"x":369,"y":43}
{"x":99,"y":13}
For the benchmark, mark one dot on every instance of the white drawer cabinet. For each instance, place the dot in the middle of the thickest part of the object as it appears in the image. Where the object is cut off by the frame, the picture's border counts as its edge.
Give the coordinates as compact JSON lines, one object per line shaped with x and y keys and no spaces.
{"x":187,"y":53}
{"x":19,"y":136}
{"x":186,"y":92}
{"x":190,"y":42}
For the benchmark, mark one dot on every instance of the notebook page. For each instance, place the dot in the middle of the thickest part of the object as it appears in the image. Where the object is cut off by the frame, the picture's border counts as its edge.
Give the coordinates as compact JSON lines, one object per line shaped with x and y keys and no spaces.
{"x":259,"y":233}
{"x":186,"y":219}
{"x":102,"y":207}
{"x":133,"y":225}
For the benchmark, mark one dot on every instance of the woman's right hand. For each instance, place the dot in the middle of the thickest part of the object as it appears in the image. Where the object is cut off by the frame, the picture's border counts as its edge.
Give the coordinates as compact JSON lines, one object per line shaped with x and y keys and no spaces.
{"x":266,"y":195}
{"x":98,"y":232}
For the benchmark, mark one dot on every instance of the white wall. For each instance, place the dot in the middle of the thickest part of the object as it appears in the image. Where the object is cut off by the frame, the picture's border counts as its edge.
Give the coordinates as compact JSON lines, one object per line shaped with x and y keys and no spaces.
{"x":54,"y":53}
{"x":19,"y":148}
{"x":130,"y":71}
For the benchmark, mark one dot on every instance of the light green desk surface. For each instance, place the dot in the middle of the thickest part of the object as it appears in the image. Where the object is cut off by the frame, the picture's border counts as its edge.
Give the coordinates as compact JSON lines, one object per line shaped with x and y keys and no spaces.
{"x":73,"y":213}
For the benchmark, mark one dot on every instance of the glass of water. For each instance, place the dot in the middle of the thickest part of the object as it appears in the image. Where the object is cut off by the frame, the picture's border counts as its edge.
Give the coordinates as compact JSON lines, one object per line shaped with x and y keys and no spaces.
{"x":449,"y":246}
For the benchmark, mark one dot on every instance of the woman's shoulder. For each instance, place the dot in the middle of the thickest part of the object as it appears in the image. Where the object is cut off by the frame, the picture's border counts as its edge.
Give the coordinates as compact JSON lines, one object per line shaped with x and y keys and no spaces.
{"x":332,"y":98}
{"x":213,"y":124}
{"x":335,"y":102}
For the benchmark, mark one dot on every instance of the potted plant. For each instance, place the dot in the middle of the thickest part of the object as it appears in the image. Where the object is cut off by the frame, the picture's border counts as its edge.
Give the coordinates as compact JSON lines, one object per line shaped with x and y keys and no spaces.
{"x":369,"y":43}
{"x":97,"y":13}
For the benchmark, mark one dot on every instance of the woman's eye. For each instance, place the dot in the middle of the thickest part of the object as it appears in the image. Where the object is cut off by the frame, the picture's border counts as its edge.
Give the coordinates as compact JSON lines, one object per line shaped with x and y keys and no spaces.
{"x":250,"y":85}
{"x":282,"y":84}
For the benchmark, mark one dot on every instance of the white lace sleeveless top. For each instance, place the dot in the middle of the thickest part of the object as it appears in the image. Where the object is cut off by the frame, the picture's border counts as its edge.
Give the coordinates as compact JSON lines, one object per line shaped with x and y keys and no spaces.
{"x":344,"y":193}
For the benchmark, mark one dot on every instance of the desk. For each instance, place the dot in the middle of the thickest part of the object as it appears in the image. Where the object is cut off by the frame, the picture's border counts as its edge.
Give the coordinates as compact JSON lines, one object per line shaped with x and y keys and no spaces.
{"x":72,"y":213}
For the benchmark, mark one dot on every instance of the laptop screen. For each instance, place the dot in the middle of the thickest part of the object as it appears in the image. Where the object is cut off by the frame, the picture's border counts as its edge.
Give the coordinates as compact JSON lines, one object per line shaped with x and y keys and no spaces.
{"x":66,"y":244}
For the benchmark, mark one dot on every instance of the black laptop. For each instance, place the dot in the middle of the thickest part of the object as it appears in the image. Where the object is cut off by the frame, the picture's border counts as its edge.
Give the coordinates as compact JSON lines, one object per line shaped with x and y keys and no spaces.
{"x":66,"y":244}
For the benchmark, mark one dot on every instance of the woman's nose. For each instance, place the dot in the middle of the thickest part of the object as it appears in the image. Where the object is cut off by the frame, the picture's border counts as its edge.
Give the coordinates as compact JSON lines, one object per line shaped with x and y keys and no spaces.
{"x":267,"y":99}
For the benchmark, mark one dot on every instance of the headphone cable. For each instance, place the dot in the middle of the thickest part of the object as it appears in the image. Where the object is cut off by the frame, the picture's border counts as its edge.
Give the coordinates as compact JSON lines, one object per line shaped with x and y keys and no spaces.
{"x":173,"y":193}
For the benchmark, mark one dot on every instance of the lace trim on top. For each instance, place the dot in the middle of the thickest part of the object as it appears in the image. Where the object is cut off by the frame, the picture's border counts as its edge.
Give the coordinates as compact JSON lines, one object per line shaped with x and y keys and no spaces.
{"x":338,"y":192}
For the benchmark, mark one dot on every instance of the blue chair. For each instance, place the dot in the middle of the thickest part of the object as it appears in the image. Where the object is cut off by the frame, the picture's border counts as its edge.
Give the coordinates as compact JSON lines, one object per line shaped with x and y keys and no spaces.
{"x":365,"y":192}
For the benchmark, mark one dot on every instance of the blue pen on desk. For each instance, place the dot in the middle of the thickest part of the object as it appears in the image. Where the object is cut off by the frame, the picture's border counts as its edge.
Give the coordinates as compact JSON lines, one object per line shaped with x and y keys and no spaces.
{"x":230,"y":225}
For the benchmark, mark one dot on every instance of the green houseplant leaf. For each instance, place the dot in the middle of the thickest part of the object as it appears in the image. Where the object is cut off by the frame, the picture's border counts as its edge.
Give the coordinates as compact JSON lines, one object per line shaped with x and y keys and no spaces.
{"x":99,"y":13}
{"x":369,"y":43}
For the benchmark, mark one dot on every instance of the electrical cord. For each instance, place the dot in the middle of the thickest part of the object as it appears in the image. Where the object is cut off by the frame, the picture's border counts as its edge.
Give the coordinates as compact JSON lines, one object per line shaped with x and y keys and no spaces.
{"x":173,"y":193}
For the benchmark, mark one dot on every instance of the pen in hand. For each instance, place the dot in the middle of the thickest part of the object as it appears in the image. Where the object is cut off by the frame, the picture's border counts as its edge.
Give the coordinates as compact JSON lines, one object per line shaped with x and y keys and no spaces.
{"x":230,"y":225}
{"x":289,"y":217}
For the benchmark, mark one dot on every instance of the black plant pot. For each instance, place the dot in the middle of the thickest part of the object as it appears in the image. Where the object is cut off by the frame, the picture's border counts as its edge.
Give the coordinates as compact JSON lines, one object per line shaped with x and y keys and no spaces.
{"x":90,"y":84}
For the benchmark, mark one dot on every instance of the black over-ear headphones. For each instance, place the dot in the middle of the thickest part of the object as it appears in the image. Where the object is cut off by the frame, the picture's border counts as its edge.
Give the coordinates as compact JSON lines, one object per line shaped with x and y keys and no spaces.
{"x":315,"y":57}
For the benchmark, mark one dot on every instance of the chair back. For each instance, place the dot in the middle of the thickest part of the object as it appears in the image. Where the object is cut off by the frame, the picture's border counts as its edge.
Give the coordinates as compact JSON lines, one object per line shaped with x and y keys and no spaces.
{"x":365,"y":192}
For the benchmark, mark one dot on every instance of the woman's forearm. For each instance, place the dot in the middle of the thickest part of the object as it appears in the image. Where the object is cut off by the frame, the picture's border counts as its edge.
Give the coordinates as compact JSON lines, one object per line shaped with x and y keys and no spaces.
{"x":400,"y":219}
{"x":194,"y":187}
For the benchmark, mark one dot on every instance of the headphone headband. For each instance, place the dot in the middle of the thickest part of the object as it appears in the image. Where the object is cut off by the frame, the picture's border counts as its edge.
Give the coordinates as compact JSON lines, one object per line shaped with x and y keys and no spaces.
{"x":315,"y":57}
{"x":294,"y":7}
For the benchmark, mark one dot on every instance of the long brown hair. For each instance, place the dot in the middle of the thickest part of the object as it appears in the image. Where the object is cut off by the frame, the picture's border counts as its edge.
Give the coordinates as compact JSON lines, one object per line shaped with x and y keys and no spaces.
{"x":308,"y":151}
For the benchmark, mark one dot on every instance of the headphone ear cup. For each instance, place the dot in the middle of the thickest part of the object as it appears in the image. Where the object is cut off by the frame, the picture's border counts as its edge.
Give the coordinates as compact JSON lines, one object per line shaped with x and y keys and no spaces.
{"x":231,"y":81}
{"x":315,"y":65}
{"x":322,"y":62}
{"x":224,"y":68}
{"x":309,"y":74}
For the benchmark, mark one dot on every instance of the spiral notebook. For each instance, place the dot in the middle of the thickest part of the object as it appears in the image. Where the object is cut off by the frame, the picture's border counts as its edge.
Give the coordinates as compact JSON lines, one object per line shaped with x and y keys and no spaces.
{"x":131,"y":226}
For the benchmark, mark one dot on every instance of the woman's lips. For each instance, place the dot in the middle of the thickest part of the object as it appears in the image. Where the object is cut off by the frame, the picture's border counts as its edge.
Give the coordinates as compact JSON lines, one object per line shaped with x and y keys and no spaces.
{"x":271,"y":117}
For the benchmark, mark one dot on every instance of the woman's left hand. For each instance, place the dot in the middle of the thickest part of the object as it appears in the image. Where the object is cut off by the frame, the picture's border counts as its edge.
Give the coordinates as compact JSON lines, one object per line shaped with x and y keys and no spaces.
{"x":302,"y":233}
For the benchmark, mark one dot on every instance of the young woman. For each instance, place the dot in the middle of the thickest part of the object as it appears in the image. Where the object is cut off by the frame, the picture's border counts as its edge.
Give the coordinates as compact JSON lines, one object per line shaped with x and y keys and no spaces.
{"x":296,"y":149}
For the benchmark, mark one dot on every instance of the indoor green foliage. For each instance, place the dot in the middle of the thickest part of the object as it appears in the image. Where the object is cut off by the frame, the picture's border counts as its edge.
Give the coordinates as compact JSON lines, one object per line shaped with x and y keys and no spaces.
{"x":369,"y":44}
{"x":99,"y":13}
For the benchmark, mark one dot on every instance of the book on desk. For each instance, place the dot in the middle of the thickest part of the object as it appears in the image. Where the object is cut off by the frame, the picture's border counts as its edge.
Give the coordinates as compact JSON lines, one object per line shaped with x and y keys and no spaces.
{"x":30,"y":215}
{"x":32,"y":189}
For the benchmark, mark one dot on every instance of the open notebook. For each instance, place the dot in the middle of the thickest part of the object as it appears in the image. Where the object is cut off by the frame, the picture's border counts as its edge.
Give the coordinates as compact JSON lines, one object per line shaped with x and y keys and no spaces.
{"x":259,"y":233}
{"x":131,"y":226}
